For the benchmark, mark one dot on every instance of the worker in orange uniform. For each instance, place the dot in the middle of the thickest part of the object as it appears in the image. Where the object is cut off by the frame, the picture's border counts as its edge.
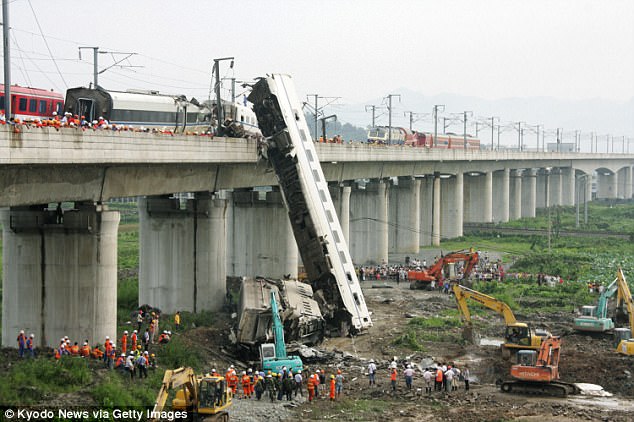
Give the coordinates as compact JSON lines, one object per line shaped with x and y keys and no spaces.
{"x":246,"y":385}
{"x":124,"y":342}
{"x":232,"y":382}
{"x":332,"y":388}
{"x":97,"y":353}
{"x":310,"y":385}
{"x":316,"y":382}
{"x":85,"y":350}
{"x":133,"y":339}
{"x":74,"y":349}
{"x":439,"y":376}
{"x":120,"y":362}
{"x":393,"y":376}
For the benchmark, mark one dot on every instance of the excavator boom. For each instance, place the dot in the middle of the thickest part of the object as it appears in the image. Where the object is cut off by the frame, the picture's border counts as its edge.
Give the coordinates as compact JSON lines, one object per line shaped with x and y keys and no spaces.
{"x":423,"y":278}
{"x":463,"y":293}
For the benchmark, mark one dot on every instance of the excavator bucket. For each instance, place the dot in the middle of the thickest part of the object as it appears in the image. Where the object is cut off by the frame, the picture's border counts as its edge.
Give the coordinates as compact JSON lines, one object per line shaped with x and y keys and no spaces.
{"x":468,"y":335}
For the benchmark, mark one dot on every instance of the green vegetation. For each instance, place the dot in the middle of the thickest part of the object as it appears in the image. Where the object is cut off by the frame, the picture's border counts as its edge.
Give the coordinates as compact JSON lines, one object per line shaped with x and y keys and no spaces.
{"x":116,"y":390}
{"x":31,"y":381}
{"x":436,"y":329}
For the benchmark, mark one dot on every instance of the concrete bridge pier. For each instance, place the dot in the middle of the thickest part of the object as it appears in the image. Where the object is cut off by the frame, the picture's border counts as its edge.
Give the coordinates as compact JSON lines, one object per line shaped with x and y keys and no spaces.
{"x":624,"y":180}
{"x":568,"y":186}
{"x":606,"y":185}
{"x":478,"y":198}
{"x":515,"y":195}
{"x":436,"y":210}
{"x":182,"y":261}
{"x":426,"y":209}
{"x":260,"y":235}
{"x":529,"y":193}
{"x":340,"y":195}
{"x":59,"y":274}
{"x":501,"y":193}
{"x":555,"y":188}
{"x":543,"y":200}
{"x":451,"y":208}
{"x":404,"y":216}
{"x":369,"y":223}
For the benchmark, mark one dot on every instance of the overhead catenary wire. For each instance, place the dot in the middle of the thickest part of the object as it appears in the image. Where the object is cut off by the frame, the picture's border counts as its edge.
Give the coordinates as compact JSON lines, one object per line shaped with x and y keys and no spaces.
{"x":46,"y":43}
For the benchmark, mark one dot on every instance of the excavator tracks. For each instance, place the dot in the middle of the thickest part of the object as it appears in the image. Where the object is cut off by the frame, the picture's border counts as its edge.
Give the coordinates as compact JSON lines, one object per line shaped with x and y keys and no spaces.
{"x":554,"y":388}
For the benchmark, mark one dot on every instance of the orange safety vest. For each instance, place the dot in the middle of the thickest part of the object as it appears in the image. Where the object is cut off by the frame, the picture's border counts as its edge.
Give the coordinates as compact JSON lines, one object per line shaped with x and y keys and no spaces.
{"x":332,"y":388}
{"x":246,"y":383}
{"x":120,"y":362}
{"x":85,"y":351}
{"x":124,"y":343}
{"x":57,"y":355}
{"x":96,"y":353}
{"x":74,"y":350}
{"x":439,"y":375}
{"x":393,"y":375}
{"x":311,"y":383}
{"x":133,"y":338}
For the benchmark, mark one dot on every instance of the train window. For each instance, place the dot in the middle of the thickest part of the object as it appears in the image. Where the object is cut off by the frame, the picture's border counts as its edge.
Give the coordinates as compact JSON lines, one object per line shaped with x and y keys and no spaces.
{"x":309,"y":154}
{"x":302,"y":135}
{"x":42,"y":109}
{"x":316,"y":175}
{"x":329,"y":215}
{"x":2,"y":103}
{"x":58,"y":107}
{"x":335,"y":234}
{"x":322,"y":195}
{"x":32,"y":105}
{"x":22,"y":104}
{"x":342,"y":257}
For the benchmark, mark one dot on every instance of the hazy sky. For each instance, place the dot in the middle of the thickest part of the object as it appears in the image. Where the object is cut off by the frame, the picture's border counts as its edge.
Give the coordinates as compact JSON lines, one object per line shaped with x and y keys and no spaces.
{"x":357,"y":50}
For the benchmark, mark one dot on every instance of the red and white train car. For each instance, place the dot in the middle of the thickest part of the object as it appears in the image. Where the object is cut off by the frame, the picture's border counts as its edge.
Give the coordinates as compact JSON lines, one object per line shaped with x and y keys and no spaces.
{"x":448,"y":141}
{"x":32,"y":103}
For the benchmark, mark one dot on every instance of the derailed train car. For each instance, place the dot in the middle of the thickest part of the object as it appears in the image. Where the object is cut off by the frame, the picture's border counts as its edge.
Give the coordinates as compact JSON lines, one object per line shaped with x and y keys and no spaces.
{"x":300,"y":313}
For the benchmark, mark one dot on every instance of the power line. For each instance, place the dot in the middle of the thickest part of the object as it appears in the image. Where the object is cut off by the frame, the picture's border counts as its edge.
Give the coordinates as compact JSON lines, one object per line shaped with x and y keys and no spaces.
{"x":46,"y":43}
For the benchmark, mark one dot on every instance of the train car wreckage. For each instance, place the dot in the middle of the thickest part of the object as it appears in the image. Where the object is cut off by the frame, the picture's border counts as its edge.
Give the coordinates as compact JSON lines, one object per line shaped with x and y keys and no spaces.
{"x":335,"y":288}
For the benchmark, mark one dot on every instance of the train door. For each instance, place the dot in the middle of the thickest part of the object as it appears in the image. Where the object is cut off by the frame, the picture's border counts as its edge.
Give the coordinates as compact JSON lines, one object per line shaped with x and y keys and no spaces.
{"x":86,"y":107}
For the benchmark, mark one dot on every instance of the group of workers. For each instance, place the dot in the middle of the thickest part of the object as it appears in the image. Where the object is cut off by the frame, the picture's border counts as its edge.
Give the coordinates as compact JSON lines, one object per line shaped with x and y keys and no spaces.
{"x":441,"y":377}
{"x":285,"y":384}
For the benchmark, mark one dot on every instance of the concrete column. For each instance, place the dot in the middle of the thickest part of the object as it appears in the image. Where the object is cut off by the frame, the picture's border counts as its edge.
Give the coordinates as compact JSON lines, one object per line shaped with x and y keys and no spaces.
{"x":589,"y":187}
{"x":426,"y":209}
{"x":624,"y":182}
{"x":529,"y":193}
{"x":488,"y":198}
{"x":606,"y":185}
{"x":568,"y":182}
{"x":368,"y":223}
{"x":459,"y":204}
{"x":182,"y":253}
{"x":404,"y":216}
{"x":515,"y":195}
{"x":555,"y":187}
{"x":59,"y":277}
{"x":263,"y":240}
{"x":500,"y":196}
{"x":451,"y":208}
{"x":435,"y":235}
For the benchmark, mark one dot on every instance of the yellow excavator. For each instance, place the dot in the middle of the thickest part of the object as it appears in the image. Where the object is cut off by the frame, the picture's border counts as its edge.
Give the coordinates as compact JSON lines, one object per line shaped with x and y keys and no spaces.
{"x":623,"y":336}
{"x":517,"y":336}
{"x":203,"y":397}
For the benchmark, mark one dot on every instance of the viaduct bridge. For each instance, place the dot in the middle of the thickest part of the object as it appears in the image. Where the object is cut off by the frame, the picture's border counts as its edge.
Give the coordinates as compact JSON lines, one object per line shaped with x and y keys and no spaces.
{"x":60,"y":266}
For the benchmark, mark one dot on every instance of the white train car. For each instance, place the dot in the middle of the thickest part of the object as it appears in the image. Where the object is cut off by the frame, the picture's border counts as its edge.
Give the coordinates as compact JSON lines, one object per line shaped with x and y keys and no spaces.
{"x":323,"y":249}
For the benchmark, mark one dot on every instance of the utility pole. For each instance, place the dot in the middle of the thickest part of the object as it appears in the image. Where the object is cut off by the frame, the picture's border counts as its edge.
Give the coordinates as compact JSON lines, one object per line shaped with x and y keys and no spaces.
{"x":219,"y":107}
{"x":464,"y":129}
{"x":411,"y":119}
{"x":559,"y":140}
{"x":607,"y":143}
{"x":623,"y":146}
{"x":95,"y":64}
{"x":492,"y":129}
{"x":389,"y":109}
{"x":519,"y":136}
{"x":373,"y":108}
{"x":7,"y":59}
{"x":537,"y":128}
{"x":233,"y":88}
{"x":316,"y":112}
{"x":577,"y":140}
{"x":499,"y":136}
{"x":547,"y":193}
{"x":436,"y":107}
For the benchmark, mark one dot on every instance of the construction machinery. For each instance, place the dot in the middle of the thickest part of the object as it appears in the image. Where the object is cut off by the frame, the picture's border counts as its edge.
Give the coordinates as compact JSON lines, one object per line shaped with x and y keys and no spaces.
{"x":517,"y":336}
{"x":624,"y":304}
{"x":595,"y":318}
{"x":537,"y":372}
{"x":203,"y":397}
{"x":291,"y":152}
{"x":421,"y":279}
{"x":273,"y":355}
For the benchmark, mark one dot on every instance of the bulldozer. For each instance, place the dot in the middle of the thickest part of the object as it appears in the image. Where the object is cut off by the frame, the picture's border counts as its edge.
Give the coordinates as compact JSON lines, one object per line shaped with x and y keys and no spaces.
{"x":204,"y":397}
{"x":538,"y":373}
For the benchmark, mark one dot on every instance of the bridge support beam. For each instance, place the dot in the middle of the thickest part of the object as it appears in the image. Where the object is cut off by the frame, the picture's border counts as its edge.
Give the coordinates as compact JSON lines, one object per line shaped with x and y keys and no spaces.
{"x":529,"y":193}
{"x":426,"y":209}
{"x":182,"y":261}
{"x":515,"y":195}
{"x":501,"y":188}
{"x":259,"y":235}
{"x":555,"y":188}
{"x":606,"y":185}
{"x":59,"y":274}
{"x":404,"y":216}
{"x":568,"y":189}
{"x":435,"y":229}
{"x":478,"y":197}
{"x":624,"y":180}
{"x":368,"y":223}
{"x":452,"y":204}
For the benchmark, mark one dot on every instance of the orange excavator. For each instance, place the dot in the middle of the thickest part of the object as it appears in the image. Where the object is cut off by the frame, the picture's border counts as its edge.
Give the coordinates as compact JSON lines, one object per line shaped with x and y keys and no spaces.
{"x":421,"y":279}
{"x":538,"y":373}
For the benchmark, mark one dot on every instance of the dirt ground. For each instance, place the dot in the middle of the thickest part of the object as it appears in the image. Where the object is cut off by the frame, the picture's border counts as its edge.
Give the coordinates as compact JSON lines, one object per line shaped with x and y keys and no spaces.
{"x":588,"y":359}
